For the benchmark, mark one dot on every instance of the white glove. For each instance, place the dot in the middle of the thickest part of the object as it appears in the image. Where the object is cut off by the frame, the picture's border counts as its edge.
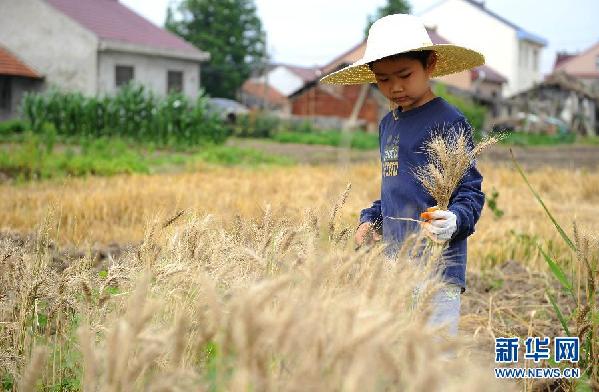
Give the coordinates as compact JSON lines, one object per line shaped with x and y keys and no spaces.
{"x":439,"y":225}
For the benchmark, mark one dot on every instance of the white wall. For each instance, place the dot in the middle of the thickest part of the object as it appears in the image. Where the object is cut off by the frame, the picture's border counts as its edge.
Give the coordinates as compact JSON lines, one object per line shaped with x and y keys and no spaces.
{"x":150,"y":71}
{"x":283,"y":80}
{"x":464,"y":24}
{"x":528,"y":71}
{"x":56,"y":46}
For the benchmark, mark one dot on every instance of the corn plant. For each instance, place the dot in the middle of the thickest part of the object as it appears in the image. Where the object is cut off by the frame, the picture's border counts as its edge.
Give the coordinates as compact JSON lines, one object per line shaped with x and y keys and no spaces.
{"x":134,"y":113}
{"x":582,"y":287}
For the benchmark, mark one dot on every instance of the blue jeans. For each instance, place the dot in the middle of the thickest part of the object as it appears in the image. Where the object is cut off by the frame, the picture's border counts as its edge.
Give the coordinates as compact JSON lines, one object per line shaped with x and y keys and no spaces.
{"x":445,"y":303}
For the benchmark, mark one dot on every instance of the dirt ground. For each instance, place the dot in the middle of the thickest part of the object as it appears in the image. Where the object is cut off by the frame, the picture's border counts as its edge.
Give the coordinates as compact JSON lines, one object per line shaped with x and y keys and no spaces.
{"x":565,"y":156}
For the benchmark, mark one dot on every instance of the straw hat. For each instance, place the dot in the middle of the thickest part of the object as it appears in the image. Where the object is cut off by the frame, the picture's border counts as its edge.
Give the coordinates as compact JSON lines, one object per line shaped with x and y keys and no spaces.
{"x":401,"y":33}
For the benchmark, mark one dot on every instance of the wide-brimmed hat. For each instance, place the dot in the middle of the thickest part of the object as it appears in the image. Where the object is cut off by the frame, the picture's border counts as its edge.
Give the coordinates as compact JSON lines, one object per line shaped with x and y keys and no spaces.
{"x":401,"y":33}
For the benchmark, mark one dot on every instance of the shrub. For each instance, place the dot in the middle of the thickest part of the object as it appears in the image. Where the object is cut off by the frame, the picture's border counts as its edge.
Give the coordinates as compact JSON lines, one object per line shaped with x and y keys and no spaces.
{"x":474,"y":113}
{"x":256,"y":124}
{"x":13,"y":126}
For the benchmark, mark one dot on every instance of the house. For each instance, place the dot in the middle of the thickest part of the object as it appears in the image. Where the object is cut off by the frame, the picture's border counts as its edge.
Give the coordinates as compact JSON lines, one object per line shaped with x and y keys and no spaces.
{"x":96,"y":46}
{"x":584,"y":66}
{"x":15,"y":78}
{"x":256,"y":94}
{"x":336,"y":102}
{"x":331,"y":105}
{"x":514,"y":53}
{"x":271,"y":89}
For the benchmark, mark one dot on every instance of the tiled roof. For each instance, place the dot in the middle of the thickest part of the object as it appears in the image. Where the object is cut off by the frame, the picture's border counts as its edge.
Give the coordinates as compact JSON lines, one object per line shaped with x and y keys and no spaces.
{"x":256,"y":89}
{"x":11,"y":65}
{"x":111,"y":20}
{"x":489,"y":74}
{"x":562,"y":60}
{"x":305,"y":73}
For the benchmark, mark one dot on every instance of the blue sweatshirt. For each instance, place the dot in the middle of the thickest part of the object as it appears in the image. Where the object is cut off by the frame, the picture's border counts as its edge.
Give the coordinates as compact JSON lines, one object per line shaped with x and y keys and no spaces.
{"x":401,"y":146}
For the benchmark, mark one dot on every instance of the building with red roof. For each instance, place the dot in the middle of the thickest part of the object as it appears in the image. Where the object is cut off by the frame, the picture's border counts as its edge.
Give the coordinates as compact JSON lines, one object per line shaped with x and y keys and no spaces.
{"x":584,"y":66}
{"x":96,"y":46}
{"x":15,"y":78}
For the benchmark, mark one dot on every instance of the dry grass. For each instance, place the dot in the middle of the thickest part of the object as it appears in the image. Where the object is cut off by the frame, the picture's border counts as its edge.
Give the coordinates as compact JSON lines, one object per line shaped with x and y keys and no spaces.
{"x":257,"y":284}
{"x":200,"y":307}
{"x":103,"y":210}
{"x":449,"y":158}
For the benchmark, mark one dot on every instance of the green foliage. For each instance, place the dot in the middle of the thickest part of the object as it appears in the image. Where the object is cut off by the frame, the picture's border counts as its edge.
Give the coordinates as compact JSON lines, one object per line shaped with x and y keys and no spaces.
{"x":492,"y":203}
{"x":591,"y":140}
{"x":358,"y":139}
{"x":7,"y":381}
{"x":256,"y":124}
{"x":474,"y":113}
{"x":240,"y":156}
{"x":530,"y":139}
{"x":392,"y":7}
{"x":13,"y":126}
{"x":304,"y":126}
{"x":230,"y":31}
{"x":36,"y":157}
{"x":134,"y":113}
{"x":265,"y":125}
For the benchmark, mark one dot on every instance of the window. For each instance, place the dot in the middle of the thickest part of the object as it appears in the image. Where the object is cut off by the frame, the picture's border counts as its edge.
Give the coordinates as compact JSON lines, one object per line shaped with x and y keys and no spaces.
{"x":123,"y":75}
{"x":522,"y":57}
{"x":535,"y":61}
{"x":5,"y":93}
{"x":174,"y":81}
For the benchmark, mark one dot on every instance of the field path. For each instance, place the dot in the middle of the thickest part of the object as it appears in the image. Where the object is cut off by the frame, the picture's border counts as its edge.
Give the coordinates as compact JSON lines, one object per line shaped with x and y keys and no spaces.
{"x":565,"y":156}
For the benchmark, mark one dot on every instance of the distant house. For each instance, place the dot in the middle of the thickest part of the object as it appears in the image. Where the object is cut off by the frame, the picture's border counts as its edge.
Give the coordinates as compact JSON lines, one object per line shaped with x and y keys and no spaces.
{"x":336,"y":102}
{"x":584,"y":66}
{"x":260,"y":95}
{"x":96,"y":46}
{"x":509,"y":49}
{"x":271,"y":89}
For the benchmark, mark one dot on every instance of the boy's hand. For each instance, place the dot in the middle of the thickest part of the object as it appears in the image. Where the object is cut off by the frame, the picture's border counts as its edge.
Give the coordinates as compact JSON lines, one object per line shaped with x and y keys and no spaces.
{"x":366,"y":234}
{"x":440,"y":224}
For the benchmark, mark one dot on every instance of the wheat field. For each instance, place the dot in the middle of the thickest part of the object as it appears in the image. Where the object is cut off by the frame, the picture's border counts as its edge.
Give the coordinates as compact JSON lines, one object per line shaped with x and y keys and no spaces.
{"x":247,"y":279}
{"x":116,"y":209}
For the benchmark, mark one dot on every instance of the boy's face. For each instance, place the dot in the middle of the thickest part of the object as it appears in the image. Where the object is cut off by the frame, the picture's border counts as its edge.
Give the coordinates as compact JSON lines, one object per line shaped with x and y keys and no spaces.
{"x":404,"y":81}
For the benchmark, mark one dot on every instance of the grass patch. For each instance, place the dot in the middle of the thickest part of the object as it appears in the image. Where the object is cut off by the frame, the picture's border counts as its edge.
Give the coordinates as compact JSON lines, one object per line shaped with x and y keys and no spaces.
{"x":233,"y":156}
{"x":529,"y":139}
{"x":589,"y":140}
{"x":359,"y":140}
{"x":38,"y":157}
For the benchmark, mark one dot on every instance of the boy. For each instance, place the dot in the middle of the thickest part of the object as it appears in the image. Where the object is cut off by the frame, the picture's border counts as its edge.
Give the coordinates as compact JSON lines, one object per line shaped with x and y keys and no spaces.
{"x":401,"y":59}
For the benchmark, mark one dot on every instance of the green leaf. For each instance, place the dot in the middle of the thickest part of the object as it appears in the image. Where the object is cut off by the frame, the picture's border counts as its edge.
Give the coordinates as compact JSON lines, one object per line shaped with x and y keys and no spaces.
{"x":557,"y":271}
{"x":557,"y":226}
{"x":558,"y":312}
{"x":582,"y":385}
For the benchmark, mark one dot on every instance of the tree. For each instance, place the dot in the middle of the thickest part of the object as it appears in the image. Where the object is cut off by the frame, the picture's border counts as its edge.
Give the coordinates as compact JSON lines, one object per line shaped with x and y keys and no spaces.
{"x":230,"y":31}
{"x":392,"y":7}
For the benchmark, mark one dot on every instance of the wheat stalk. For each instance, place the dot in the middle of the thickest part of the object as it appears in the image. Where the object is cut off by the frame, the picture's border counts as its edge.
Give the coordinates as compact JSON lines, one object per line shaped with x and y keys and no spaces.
{"x":450,"y":155}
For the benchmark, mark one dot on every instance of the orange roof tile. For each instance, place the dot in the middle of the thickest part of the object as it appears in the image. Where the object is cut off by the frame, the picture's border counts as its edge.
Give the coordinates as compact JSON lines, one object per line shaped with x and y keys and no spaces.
{"x":11,"y":65}
{"x":257,"y":89}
